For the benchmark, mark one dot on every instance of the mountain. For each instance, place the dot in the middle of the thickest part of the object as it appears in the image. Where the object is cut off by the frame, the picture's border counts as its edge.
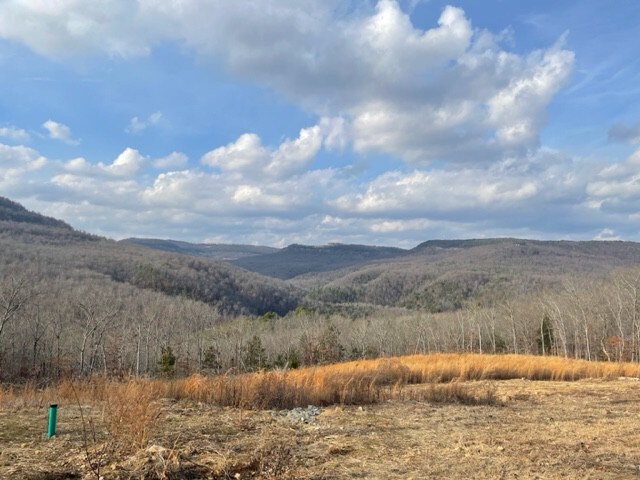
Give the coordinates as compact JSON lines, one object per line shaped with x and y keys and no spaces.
{"x":296,"y":260}
{"x":11,"y":211}
{"x":217,"y":251}
{"x":435,"y":276}
{"x":440,"y":275}
{"x":49,"y":248}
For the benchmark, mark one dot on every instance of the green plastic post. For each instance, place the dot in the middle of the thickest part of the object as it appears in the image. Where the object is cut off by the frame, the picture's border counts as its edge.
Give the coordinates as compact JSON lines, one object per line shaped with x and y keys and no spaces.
{"x":53,"y":411}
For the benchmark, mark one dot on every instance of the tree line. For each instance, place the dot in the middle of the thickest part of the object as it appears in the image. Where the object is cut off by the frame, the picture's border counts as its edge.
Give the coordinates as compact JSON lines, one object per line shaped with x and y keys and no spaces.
{"x":53,"y":327}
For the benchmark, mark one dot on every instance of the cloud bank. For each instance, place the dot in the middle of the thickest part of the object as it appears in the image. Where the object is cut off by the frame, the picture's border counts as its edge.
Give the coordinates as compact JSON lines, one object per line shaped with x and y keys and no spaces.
{"x":459,"y":114}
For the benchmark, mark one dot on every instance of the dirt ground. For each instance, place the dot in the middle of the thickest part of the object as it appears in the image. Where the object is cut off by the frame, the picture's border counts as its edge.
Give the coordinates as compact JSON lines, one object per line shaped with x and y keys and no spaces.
{"x":581,"y":430}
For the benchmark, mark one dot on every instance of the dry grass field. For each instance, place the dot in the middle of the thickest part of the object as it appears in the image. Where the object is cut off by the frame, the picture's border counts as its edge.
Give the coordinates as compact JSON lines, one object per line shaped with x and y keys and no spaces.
{"x":489,"y":420}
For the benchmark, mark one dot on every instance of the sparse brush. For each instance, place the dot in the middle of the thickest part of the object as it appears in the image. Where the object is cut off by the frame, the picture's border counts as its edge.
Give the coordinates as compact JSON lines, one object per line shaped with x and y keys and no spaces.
{"x":130,"y":413}
{"x":130,"y":408}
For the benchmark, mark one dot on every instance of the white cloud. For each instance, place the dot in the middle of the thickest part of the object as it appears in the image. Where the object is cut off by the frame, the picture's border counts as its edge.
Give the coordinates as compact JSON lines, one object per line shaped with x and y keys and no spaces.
{"x":615,"y":192}
{"x":226,"y":194}
{"x":78,"y":27}
{"x":546,"y":194}
{"x":606,"y":234}
{"x":244,"y":155}
{"x":137,"y":126}
{"x":449,"y":92}
{"x":173,"y":160}
{"x":14,"y":133}
{"x":510,"y":191}
{"x":18,"y":166}
{"x":127,"y":164}
{"x":336,"y":133}
{"x":59,"y":131}
{"x":248,"y":157}
{"x":386,"y":226}
{"x":517,"y":111}
{"x":21,"y":157}
{"x":377,"y":83}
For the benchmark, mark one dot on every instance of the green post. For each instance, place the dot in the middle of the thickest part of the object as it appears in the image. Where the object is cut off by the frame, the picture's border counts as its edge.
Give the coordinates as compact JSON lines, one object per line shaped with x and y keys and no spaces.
{"x":53,"y":411}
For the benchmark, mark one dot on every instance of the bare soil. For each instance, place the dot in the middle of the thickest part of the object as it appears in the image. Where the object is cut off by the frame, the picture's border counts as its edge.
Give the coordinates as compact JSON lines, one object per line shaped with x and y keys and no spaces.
{"x":587,"y":429}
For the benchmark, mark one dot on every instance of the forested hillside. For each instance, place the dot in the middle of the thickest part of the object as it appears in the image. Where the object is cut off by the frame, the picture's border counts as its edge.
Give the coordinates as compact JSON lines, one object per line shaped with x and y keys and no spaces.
{"x":75,"y":304}
{"x":297,"y":260}
{"x":439,"y":276}
{"x":56,"y":249}
{"x":63,"y":292}
{"x":435,"y":276}
{"x":14,"y":212}
{"x":209,"y":250}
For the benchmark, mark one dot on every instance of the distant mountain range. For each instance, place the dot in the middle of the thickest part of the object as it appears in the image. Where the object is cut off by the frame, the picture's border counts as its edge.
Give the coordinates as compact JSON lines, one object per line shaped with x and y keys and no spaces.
{"x":296,"y":260}
{"x":217,"y":251}
{"x":437,"y":275}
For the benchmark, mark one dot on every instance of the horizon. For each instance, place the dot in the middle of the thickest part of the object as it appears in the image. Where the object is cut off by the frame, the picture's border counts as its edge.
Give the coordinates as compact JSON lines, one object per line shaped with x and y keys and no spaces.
{"x":383,"y":123}
{"x":331,"y":244}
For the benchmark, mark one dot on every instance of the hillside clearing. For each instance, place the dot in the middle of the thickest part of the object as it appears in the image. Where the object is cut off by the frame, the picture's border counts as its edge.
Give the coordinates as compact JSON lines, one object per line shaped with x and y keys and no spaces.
{"x":421,"y":416}
{"x":583,"y":429}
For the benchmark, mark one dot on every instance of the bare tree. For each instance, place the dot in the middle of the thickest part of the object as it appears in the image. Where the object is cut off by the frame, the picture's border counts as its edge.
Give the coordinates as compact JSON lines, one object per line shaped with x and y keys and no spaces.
{"x":95,"y":318}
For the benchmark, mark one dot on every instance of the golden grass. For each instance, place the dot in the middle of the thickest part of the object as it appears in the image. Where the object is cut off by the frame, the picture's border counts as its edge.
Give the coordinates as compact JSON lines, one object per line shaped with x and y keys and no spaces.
{"x":130,"y":414}
{"x":358,"y":382}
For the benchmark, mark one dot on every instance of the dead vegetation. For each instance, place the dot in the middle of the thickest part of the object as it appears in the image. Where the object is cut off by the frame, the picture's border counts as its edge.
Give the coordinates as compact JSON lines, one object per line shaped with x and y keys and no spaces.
{"x":350,"y":383}
{"x":550,"y":430}
{"x":219,"y":427}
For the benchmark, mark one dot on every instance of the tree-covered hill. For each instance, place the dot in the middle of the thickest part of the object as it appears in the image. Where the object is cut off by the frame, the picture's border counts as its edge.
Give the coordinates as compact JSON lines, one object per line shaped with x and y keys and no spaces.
{"x":216,"y":251}
{"x":32,"y":242}
{"x":447,"y":275}
{"x":296,"y":260}
{"x":11,"y":211}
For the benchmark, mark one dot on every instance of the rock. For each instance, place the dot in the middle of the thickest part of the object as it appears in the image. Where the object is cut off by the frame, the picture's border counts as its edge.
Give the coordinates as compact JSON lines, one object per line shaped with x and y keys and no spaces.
{"x":299,"y":414}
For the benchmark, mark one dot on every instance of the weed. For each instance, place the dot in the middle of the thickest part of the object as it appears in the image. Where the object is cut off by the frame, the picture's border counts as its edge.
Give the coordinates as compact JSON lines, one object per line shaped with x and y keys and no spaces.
{"x":130,"y":414}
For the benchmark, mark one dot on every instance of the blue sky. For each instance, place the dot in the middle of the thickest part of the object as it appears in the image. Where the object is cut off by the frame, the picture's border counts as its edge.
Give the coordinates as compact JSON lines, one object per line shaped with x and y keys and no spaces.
{"x":282,"y":121}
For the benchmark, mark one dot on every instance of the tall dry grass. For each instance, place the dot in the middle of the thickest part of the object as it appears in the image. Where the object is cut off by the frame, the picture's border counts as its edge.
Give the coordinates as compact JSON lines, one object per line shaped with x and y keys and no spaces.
{"x":359,"y":382}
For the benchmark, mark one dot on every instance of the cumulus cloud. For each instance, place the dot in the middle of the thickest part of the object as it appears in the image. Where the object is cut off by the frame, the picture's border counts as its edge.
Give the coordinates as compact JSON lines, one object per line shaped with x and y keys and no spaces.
{"x":13,"y":133}
{"x":21,"y":157}
{"x":248,"y":157}
{"x":137,"y":126}
{"x":18,"y":165}
{"x":616,"y":189}
{"x":449,"y":92}
{"x":606,"y":234}
{"x":512,"y":197}
{"x":173,"y":160}
{"x":78,"y":27}
{"x":227,"y":194}
{"x":127,"y":164}
{"x":517,"y":110}
{"x":59,"y":131}
{"x":508,"y":196}
{"x":451,"y":100}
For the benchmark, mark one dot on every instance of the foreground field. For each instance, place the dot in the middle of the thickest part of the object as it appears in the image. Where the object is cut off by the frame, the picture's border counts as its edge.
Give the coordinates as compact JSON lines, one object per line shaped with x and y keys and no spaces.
{"x":514,"y":428}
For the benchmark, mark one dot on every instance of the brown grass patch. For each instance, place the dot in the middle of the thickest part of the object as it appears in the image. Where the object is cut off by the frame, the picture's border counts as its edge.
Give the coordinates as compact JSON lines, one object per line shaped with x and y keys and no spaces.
{"x":552,"y":430}
{"x":129,"y":411}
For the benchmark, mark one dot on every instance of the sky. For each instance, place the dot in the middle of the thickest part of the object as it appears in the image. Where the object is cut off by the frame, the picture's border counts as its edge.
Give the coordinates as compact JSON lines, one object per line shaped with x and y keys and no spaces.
{"x":275,"y":122}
